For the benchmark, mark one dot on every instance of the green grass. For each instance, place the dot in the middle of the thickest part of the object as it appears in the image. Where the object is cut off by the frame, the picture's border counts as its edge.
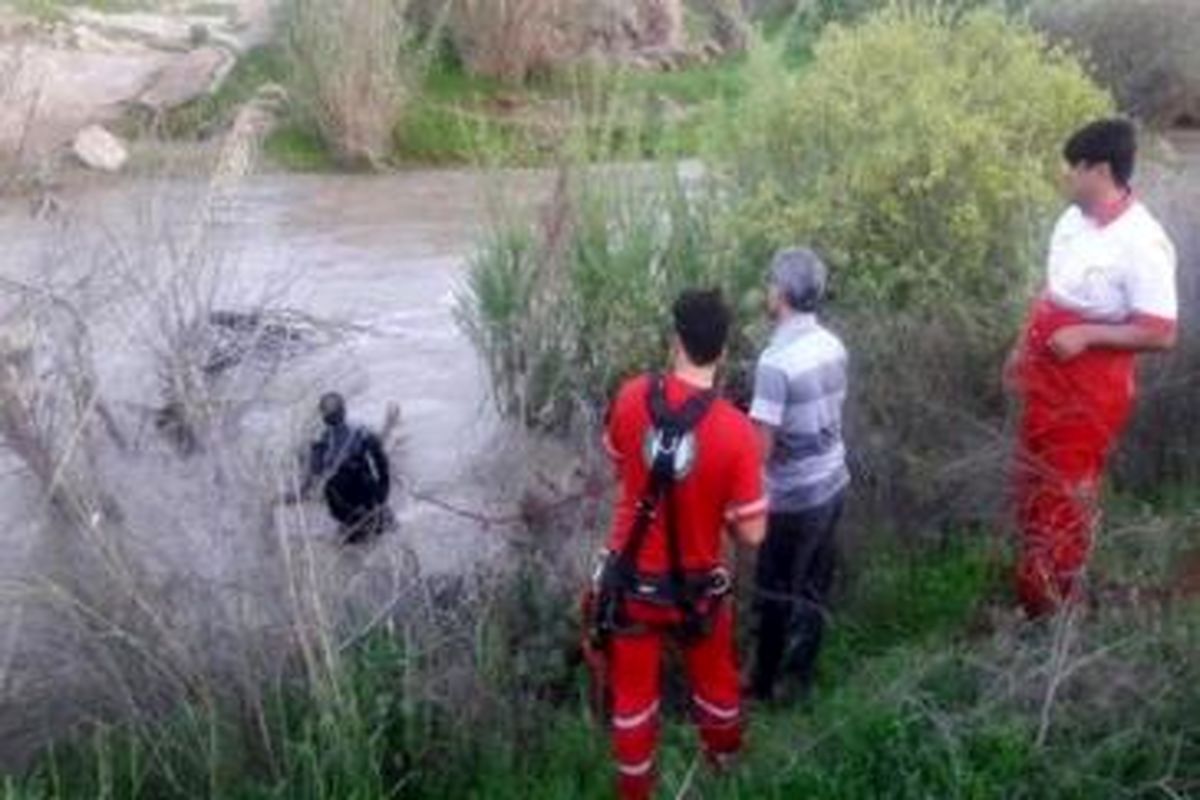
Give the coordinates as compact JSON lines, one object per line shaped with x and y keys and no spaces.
{"x":702,"y":84}
{"x":55,"y":10}
{"x":453,"y":120}
{"x":295,"y":148}
{"x":907,"y":708}
{"x":458,"y":118}
{"x":909,"y":599}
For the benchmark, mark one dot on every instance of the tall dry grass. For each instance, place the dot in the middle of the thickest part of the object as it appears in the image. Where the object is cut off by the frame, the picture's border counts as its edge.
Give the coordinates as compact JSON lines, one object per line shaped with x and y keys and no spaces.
{"x":1161,"y":455}
{"x":512,"y":40}
{"x":19,"y":116}
{"x":354,"y":69}
{"x":1148,"y":51}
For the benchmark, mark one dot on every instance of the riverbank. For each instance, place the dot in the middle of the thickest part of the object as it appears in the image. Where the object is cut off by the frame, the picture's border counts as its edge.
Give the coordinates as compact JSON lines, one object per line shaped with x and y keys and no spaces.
{"x":929,"y":686}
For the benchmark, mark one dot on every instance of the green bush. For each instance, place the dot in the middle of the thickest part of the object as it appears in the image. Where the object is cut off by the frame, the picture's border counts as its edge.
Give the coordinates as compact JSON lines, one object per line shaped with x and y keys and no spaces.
{"x":353,"y":69}
{"x":564,"y":308}
{"x":919,"y":152}
{"x":802,"y":22}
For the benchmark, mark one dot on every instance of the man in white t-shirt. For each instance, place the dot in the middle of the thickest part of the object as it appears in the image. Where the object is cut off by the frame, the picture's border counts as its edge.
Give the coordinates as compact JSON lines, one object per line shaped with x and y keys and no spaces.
{"x":1109,"y":294}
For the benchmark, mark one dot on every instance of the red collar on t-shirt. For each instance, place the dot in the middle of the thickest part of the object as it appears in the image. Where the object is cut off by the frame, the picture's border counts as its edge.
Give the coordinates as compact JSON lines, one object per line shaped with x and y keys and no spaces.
{"x":1106,"y":214}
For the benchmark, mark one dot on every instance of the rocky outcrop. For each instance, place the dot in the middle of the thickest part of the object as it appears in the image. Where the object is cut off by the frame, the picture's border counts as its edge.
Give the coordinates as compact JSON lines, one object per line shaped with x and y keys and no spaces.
{"x":652,"y":34}
{"x":89,"y":67}
{"x":182,"y":80}
{"x":52,"y":93}
{"x":519,"y":38}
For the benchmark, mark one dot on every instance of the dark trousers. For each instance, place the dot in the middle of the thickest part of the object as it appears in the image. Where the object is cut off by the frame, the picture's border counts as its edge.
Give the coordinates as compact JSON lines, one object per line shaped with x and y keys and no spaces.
{"x":793,"y":580}
{"x":358,"y":505}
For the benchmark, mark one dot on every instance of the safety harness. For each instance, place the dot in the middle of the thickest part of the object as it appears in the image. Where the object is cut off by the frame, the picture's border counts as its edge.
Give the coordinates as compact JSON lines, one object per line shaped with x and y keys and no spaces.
{"x":617,"y":578}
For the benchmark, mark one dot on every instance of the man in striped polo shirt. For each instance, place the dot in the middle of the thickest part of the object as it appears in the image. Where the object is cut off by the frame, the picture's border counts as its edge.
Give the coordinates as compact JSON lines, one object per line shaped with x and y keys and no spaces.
{"x":799,"y":391}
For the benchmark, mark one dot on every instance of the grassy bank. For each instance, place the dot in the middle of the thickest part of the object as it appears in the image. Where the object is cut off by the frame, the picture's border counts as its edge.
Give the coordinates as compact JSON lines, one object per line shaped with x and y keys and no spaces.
{"x":459,"y":119}
{"x":929,"y":688}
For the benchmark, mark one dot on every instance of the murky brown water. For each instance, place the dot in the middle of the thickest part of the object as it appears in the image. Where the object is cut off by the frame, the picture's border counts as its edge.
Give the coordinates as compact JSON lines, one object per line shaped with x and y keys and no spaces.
{"x":378,"y":258}
{"x":383,"y":256}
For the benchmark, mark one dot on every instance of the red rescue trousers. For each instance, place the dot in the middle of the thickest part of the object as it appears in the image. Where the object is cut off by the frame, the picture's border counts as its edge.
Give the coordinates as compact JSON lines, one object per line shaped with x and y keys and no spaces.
{"x":1073,"y":413}
{"x":634,"y":673}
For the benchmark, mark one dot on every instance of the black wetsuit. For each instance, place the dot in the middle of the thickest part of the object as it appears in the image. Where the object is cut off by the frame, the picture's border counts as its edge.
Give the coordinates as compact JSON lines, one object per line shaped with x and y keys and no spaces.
{"x":357,"y":479}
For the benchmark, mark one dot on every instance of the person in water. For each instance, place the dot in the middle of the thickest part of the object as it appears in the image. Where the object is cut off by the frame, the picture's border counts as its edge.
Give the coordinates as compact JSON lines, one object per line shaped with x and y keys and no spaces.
{"x":350,"y":463}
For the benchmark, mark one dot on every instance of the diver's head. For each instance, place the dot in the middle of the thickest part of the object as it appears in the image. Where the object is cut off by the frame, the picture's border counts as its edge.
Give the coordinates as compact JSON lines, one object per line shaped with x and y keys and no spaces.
{"x":333,"y":409}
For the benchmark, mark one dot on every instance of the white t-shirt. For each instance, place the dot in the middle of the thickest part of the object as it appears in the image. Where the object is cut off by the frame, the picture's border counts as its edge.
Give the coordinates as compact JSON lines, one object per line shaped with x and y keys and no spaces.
{"x":1110,"y":273}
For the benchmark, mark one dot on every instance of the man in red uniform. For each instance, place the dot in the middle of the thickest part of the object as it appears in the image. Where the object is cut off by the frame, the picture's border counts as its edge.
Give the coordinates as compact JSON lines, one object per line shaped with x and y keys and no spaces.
{"x":689,"y":470}
{"x":1110,"y":294}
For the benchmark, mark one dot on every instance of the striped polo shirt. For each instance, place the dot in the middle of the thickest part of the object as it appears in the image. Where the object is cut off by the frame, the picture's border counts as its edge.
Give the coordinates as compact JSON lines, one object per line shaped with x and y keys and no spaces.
{"x":799,"y":392}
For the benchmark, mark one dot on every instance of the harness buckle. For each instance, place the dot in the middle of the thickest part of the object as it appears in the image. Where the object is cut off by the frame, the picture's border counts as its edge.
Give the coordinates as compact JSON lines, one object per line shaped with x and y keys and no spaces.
{"x":720,"y":582}
{"x":599,"y":565}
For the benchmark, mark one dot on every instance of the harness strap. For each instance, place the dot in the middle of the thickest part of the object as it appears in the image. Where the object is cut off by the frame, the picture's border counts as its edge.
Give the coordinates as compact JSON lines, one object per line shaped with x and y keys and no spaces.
{"x":661,"y":589}
{"x":339,"y":453}
{"x":676,"y":425}
{"x":619,"y":576}
{"x":683,"y":420}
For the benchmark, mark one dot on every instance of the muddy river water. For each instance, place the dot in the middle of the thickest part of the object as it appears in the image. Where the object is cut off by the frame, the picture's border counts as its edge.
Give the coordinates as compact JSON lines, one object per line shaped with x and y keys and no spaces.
{"x":381,"y":261}
{"x":381,"y":258}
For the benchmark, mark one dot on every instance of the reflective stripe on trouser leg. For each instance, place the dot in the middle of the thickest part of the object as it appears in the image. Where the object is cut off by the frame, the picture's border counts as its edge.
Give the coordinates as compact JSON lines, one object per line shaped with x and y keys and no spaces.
{"x":634,"y":680}
{"x":635,"y":781}
{"x":716,"y":692}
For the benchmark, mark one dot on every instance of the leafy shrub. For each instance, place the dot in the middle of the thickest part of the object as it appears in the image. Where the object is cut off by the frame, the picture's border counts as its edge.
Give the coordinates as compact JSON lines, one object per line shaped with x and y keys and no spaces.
{"x":804,"y":21}
{"x":919,"y":152}
{"x":1148,"y":51}
{"x":564,"y":308}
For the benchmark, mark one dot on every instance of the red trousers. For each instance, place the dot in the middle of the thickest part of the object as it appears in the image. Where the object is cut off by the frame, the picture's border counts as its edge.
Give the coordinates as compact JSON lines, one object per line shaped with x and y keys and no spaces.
{"x":1073,"y":413}
{"x":634,"y":680}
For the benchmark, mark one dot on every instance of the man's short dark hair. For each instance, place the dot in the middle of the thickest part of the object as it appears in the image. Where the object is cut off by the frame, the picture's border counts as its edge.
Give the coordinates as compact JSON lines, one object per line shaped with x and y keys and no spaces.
{"x":702,"y":323}
{"x":1105,"y":141}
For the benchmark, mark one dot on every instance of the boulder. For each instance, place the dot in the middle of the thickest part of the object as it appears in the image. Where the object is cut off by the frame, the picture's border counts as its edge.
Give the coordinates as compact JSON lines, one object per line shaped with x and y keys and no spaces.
{"x":89,"y":67}
{"x":55,"y":93}
{"x":98,"y":149}
{"x":188,"y":77}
